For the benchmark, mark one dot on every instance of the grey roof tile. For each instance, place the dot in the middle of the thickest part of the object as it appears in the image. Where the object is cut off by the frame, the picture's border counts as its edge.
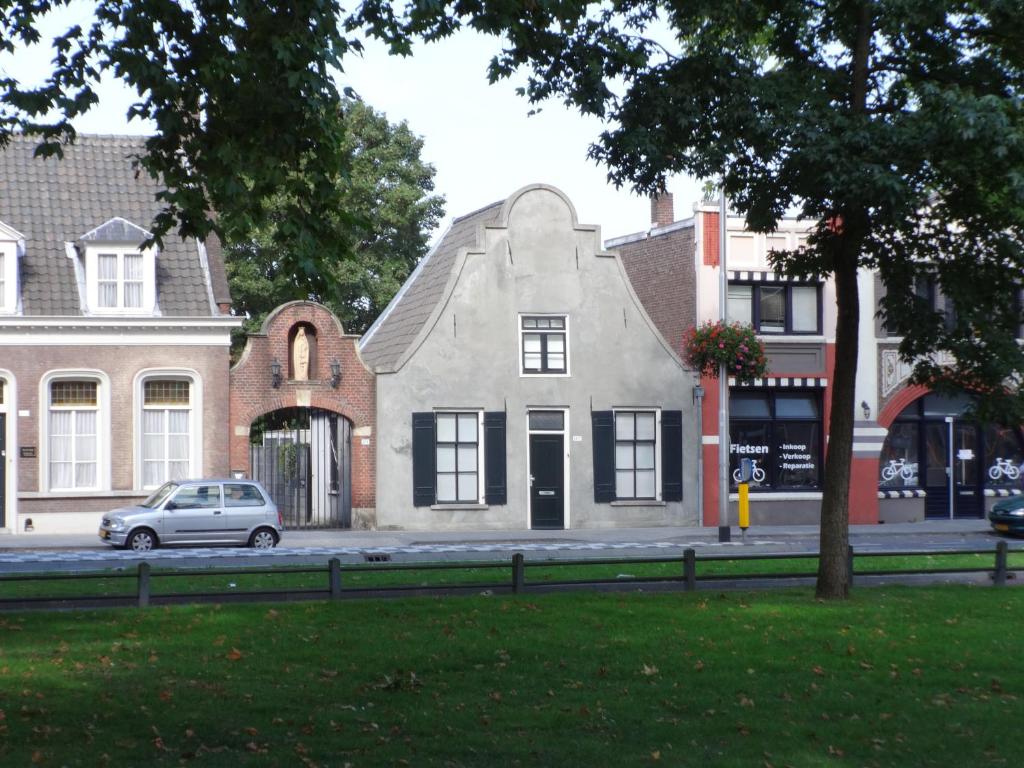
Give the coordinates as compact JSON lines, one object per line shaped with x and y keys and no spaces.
{"x":55,"y":201}
{"x":388,"y":339}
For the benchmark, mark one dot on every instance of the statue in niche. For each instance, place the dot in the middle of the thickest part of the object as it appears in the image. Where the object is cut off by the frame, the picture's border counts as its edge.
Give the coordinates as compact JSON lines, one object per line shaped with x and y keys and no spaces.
{"x":300,"y":356}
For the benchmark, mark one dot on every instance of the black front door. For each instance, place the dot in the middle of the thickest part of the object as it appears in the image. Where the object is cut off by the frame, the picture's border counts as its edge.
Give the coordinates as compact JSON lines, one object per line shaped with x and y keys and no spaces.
{"x":968,"y":498}
{"x":966,"y":494}
{"x":547,"y":481}
{"x":3,"y":469}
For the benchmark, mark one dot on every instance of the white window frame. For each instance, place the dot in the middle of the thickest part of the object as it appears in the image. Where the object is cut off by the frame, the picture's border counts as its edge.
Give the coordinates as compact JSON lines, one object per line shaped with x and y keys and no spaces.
{"x":480,"y":463}
{"x":9,"y":407}
{"x":523,"y":373}
{"x":196,"y":421}
{"x":12,"y":247}
{"x":103,"y":436}
{"x":120,"y":250}
{"x":657,"y":451}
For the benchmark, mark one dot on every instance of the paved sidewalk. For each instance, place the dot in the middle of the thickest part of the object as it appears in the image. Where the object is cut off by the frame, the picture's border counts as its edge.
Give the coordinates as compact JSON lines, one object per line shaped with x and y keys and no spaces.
{"x":371,"y":539}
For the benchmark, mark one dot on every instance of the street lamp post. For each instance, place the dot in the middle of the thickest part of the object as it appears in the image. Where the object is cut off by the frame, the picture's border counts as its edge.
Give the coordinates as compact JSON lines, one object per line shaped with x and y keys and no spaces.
{"x":724,"y":531}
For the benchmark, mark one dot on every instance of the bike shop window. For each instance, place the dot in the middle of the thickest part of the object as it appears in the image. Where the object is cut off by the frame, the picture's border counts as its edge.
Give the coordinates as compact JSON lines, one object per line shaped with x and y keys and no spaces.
{"x":781,"y":433}
{"x":776,"y":307}
{"x":458,"y":458}
{"x":636,"y":455}
{"x":1003,"y":456}
{"x":543,"y":344}
{"x":899,"y":461}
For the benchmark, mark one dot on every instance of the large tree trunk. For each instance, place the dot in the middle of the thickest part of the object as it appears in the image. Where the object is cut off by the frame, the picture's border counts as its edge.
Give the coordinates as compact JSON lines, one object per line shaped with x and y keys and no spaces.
{"x":833,"y":573}
{"x":834,"y":541}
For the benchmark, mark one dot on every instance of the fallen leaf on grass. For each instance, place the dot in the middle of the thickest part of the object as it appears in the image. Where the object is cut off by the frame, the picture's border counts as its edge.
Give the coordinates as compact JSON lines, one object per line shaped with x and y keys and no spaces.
{"x":234,"y":654}
{"x":649,"y":670}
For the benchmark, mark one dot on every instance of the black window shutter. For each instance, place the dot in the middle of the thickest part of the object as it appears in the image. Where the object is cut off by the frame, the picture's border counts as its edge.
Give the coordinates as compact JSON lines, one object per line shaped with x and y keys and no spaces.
{"x":423,"y":474}
{"x":603,"y":424}
{"x":495,"y":487}
{"x":672,"y":455}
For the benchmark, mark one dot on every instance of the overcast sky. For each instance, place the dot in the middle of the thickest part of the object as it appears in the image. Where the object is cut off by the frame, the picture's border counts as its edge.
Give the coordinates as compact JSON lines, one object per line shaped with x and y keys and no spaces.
{"x":478,"y":136}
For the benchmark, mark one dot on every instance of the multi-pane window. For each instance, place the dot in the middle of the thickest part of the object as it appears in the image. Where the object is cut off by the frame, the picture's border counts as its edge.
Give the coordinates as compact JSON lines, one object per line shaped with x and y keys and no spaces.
{"x":166,"y":431}
{"x":119,"y":280}
{"x":73,"y":446}
{"x":776,"y":307}
{"x":544,"y":344}
{"x":781,"y":433}
{"x":3,"y":283}
{"x":635,"y":451}
{"x":458,"y":457}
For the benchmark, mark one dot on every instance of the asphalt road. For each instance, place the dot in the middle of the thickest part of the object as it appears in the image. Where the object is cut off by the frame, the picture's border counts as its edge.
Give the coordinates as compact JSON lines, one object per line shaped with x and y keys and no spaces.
{"x":22,"y":553}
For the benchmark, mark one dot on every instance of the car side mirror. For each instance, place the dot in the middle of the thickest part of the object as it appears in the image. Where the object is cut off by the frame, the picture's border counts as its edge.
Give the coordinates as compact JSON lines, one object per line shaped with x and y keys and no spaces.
{"x":170,"y":506}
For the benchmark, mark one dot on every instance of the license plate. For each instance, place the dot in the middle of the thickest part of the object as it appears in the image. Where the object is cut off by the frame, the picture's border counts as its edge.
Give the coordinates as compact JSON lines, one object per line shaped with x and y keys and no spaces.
{"x":104,"y":534}
{"x":1001,"y":527}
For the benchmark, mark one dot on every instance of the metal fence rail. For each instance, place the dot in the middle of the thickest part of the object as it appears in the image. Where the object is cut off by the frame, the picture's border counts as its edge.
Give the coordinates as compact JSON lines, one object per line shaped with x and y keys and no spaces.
{"x":333,"y":587}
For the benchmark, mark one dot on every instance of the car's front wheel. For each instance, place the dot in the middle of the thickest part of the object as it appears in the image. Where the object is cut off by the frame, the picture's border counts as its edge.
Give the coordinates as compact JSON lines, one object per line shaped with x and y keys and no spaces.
{"x":264,"y":538}
{"x":142,"y":540}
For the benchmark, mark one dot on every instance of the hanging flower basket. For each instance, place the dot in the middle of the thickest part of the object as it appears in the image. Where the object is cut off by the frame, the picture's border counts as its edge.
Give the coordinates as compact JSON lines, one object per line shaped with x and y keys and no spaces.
{"x":710,"y":345}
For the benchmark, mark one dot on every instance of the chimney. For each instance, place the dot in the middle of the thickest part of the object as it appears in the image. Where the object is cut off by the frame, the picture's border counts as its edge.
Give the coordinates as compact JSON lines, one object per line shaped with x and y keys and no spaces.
{"x":662,"y":213}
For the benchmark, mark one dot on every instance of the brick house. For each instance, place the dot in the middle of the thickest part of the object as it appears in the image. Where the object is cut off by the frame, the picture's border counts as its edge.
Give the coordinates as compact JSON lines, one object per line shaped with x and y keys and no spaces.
{"x":113,"y":356}
{"x":915,"y":453}
{"x":327,"y":412}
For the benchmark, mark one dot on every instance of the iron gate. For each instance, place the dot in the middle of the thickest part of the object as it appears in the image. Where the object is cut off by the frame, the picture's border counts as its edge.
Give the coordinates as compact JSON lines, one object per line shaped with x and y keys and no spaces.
{"x":303,"y":457}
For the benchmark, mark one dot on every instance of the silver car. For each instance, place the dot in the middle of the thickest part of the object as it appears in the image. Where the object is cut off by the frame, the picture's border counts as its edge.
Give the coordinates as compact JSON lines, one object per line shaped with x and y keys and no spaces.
{"x":197,"y":512}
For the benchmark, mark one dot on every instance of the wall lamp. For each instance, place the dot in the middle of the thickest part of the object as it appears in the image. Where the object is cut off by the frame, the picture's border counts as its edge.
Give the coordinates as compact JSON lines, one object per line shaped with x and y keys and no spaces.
{"x":335,"y":374}
{"x":275,"y":374}
{"x":866,"y":408}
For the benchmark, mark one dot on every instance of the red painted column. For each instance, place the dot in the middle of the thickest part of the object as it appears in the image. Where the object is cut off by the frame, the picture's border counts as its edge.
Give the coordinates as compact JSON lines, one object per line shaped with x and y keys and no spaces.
{"x":709,"y":452}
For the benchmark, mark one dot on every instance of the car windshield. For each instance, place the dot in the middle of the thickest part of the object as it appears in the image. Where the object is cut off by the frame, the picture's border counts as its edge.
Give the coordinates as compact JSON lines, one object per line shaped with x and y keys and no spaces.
{"x":159,"y":495}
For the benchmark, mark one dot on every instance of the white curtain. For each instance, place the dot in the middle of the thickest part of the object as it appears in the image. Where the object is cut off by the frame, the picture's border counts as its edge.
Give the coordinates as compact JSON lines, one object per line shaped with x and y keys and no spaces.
{"x":166,"y":445}
{"x":133,"y":280}
{"x":107,"y":279}
{"x":73,"y":449}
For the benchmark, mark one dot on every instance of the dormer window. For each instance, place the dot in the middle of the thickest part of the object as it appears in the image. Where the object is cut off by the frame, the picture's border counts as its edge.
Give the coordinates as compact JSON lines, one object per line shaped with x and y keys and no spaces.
{"x":120,"y":275}
{"x":119,"y":280}
{"x":11,"y":244}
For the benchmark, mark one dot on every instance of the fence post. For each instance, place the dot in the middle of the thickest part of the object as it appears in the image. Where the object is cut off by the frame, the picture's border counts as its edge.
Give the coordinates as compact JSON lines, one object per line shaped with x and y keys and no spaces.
{"x":518,"y":573}
{"x":143,"y":585}
{"x":1000,"y":575}
{"x":334,"y":577}
{"x":689,"y":570}
{"x":849,"y":564}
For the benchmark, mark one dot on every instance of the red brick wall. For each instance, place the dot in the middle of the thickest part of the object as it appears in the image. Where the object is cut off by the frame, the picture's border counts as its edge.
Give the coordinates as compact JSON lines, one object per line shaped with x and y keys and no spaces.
{"x":661,"y":269}
{"x":711,"y":238}
{"x":355,"y":398}
{"x":121,"y":364}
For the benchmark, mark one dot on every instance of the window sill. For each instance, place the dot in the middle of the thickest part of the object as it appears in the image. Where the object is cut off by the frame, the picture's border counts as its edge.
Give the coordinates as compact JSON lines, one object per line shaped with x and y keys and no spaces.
{"x":448,"y":507}
{"x":91,"y":494}
{"x":638,"y":503}
{"x":779,"y":496}
{"x":789,"y":338}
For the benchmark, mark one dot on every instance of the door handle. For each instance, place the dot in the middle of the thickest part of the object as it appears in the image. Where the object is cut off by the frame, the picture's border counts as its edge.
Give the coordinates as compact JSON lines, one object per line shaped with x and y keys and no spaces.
{"x":216,"y":511}
{"x":545,"y":493}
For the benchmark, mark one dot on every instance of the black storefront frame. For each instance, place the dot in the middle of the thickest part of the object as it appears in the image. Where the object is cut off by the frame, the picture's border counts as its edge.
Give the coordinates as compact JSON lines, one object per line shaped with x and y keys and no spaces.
{"x":938,"y":504}
{"x":771,"y":470}
{"x":755,"y":305}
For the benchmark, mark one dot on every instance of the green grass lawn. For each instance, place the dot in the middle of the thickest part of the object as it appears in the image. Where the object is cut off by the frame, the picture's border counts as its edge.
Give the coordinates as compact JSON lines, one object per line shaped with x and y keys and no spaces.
{"x":164,"y":581}
{"x":893,"y":677}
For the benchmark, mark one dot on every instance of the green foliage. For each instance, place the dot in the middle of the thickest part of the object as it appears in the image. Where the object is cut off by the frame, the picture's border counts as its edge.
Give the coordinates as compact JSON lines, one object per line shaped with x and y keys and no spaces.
{"x":242,"y":94}
{"x":734,"y":345}
{"x":384,"y":215}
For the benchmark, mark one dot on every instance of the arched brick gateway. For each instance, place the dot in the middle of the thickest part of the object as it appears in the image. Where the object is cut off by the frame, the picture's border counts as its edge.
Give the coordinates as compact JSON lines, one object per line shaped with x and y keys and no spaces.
{"x":264,"y":381}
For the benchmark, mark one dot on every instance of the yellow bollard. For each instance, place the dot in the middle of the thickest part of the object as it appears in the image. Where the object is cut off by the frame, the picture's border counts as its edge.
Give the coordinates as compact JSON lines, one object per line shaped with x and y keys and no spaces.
{"x":744,"y":506}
